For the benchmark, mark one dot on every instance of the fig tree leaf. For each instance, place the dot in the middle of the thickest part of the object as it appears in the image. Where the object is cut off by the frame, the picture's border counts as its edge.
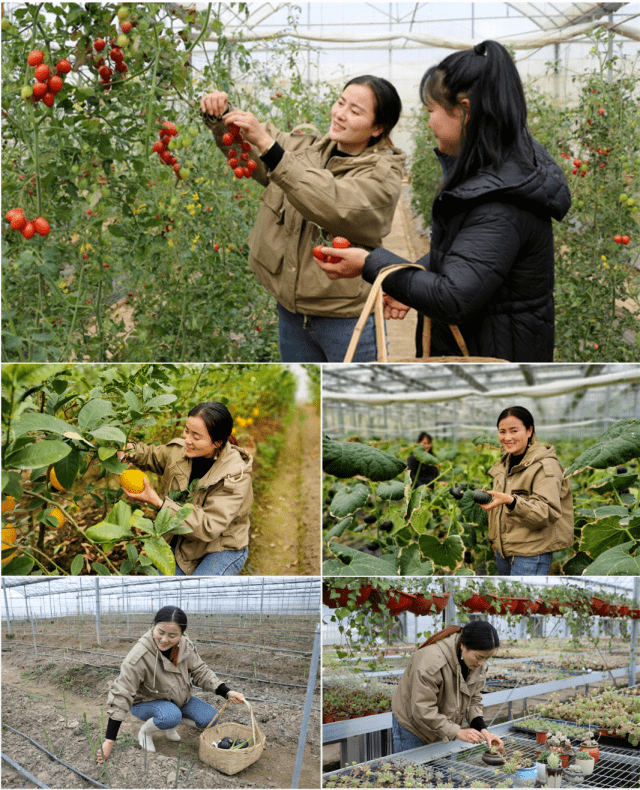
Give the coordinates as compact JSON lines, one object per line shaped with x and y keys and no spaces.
{"x":348,"y":459}
{"x":616,"y":561}
{"x":392,"y":489}
{"x":445,"y":553}
{"x":345,"y":503}
{"x":617,"y":445}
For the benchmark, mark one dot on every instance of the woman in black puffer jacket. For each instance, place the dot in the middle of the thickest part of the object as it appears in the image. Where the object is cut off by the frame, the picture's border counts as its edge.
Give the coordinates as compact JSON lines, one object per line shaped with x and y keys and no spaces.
{"x":491,"y":265}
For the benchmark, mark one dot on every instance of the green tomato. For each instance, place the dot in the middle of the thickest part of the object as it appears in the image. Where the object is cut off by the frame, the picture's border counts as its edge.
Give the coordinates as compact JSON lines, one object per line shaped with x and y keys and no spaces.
{"x":105,"y":192}
{"x":6,"y":24}
{"x":580,"y":203}
{"x":193,"y":131}
{"x":122,"y":40}
{"x":623,"y":197}
{"x":184,"y":172}
{"x":172,"y":145}
{"x":75,"y":169}
{"x":631,"y":202}
{"x":83,"y":183}
{"x":186,"y":141}
{"x":26,"y":92}
{"x":123,"y":13}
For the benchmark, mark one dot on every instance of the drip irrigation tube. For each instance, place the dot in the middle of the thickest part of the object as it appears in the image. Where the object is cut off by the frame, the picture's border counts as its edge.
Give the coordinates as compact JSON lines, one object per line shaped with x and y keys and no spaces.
{"x":57,"y":759}
{"x":19,"y":768}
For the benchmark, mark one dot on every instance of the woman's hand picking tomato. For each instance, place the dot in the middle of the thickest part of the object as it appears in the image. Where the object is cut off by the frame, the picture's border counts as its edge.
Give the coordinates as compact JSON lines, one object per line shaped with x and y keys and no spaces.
{"x":350,"y":263}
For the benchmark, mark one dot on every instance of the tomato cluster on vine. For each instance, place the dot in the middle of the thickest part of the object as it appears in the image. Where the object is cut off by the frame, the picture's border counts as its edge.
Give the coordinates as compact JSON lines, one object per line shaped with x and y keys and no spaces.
{"x":235,"y":158}
{"x":161,"y":147}
{"x":27,"y":227}
{"x":338,"y":243}
{"x":46,"y":84}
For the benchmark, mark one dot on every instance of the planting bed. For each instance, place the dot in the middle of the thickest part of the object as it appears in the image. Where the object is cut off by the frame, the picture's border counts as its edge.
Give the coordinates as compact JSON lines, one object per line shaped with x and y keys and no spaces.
{"x":463,"y":767}
{"x":60,"y":703}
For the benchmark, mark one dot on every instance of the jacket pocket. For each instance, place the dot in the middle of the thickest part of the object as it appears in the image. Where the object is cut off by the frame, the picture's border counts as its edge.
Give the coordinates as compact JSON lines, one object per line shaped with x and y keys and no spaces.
{"x":267,"y":238}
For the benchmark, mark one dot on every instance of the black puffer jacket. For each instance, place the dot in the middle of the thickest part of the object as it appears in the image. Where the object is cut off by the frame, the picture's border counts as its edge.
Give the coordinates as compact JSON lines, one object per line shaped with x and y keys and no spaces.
{"x":490,"y":269}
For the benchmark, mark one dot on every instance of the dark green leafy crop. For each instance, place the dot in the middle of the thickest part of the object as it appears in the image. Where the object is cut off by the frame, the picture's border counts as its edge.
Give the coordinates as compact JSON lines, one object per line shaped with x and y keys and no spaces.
{"x":618,"y":444}
{"x":348,"y":459}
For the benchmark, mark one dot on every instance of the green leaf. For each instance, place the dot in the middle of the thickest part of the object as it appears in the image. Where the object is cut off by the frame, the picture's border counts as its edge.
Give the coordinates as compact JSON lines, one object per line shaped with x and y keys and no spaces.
{"x":160,"y":554}
{"x":604,"y":533}
{"x":160,"y":400}
{"x":106,"y":452}
{"x":34,"y":421}
{"x":93,"y":413}
{"x":77,"y":565}
{"x":139,"y":521}
{"x":37,"y":454}
{"x":348,"y":459}
{"x":119,"y":514}
{"x":67,"y":469}
{"x":109,"y":433}
{"x":112,"y":465}
{"x":445,"y":553}
{"x":472,"y":512}
{"x":617,"y":561}
{"x":108,"y":533}
{"x":614,"y":483}
{"x":411,"y":562}
{"x":577,"y":564}
{"x":18,"y":566}
{"x":132,"y":552}
{"x":29,"y":376}
{"x":423,"y":457}
{"x":340,"y":527}
{"x":393,"y":489}
{"x":101,"y":569}
{"x":345,"y":503}
{"x":357,"y":563}
{"x":132,"y":401}
{"x":617,"y":445}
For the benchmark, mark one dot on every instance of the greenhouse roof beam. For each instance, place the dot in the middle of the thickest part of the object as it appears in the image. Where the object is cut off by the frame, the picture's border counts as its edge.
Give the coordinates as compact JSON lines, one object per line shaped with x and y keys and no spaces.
{"x":550,"y":16}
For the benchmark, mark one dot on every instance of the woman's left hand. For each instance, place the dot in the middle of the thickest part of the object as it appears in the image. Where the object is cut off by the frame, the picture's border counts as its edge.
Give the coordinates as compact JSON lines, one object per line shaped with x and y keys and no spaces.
{"x":236,"y":697}
{"x":493,"y":740}
{"x":499,"y":498}
{"x":148,"y":495}
{"x":350,"y":265}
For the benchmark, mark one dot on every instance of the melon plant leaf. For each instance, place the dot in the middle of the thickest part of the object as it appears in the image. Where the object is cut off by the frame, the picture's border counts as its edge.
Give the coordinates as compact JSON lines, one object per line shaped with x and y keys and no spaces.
{"x":420,"y":518}
{"x":617,"y":445}
{"x":617,"y":561}
{"x":411,"y":562}
{"x":37,"y":454}
{"x":614,"y":483}
{"x":472,"y":512}
{"x":345,"y":503}
{"x":356,"y":563}
{"x":348,"y":459}
{"x":392,"y":489}
{"x":423,"y":457}
{"x":340,"y":527}
{"x":486,"y":440}
{"x":577,"y":564}
{"x":447,"y":553}
{"x":604,"y":533}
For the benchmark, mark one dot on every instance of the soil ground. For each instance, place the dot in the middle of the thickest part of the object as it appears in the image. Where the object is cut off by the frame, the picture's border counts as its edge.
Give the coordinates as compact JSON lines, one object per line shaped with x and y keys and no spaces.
{"x":59,"y":703}
{"x":286,"y":530}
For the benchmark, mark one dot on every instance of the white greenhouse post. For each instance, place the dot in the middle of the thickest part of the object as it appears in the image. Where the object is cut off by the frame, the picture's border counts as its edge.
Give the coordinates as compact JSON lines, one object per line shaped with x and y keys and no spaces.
{"x":98,"y":611}
{"x":634,"y":634}
{"x":311,"y":683}
{"x":6,"y":605}
{"x":33,"y":631}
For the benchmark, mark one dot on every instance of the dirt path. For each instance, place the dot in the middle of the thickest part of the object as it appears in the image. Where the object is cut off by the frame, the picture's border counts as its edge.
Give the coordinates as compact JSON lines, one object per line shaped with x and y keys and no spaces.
{"x":33,"y":703}
{"x":285,"y":535}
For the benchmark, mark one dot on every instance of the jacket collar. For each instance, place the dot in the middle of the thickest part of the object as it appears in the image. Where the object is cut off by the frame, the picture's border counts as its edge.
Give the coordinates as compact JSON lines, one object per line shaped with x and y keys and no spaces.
{"x":535,"y":452}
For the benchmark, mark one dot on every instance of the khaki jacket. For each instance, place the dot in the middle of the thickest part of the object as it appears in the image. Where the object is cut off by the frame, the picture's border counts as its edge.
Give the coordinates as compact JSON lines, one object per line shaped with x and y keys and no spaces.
{"x":432,"y":699}
{"x":146,"y":674}
{"x":542,"y":519}
{"x":311,"y":195}
{"x":222,"y":500}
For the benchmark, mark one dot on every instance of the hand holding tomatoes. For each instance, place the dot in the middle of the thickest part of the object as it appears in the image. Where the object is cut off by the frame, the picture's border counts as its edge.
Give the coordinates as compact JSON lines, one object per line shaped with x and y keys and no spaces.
{"x":215,"y":103}
{"x":338,"y":262}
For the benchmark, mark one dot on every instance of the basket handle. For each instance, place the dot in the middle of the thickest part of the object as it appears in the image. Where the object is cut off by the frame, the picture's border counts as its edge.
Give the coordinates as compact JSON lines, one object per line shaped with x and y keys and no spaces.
{"x":216,"y":718}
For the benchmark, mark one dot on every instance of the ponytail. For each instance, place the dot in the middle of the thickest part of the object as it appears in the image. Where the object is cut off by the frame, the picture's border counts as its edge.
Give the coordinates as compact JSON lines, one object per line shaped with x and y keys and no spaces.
{"x":476,"y":635}
{"x":440,"y":635}
{"x":496,"y":122}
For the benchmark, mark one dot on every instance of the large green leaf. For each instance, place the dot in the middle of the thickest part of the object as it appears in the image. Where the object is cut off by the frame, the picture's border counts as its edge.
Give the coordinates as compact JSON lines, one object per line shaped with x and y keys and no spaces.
{"x":160,"y":400}
{"x":37,"y":454}
{"x":411,"y":563}
{"x":608,"y":531}
{"x":93,"y":413}
{"x":109,"y":433}
{"x":29,"y":376}
{"x":77,"y":565}
{"x":617,"y":561}
{"x":340,"y":527}
{"x":104,"y":532}
{"x":34,"y":421}
{"x":447,"y":553}
{"x":348,"y":459}
{"x":423,"y":457}
{"x":472,"y":512}
{"x":160,"y":554}
{"x":67,"y":469}
{"x":614,"y":483}
{"x":347,"y":502}
{"x":392,"y":489}
{"x":356,"y":563}
{"x":617,"y":445}
{"x":420,"y":517}
{"x":18,"y":566}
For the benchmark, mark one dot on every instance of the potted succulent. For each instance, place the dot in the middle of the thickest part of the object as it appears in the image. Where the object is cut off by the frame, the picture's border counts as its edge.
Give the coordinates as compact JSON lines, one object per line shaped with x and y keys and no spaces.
{"x":521,"y":769}
{"x":590,"y":745}
{"x":585,"y":761}
{"x":541,"y":735}
{"x":554,"y":770}
{"x":573,"y":774}
{"x":493,"y":756}
{"x":541,"y":765}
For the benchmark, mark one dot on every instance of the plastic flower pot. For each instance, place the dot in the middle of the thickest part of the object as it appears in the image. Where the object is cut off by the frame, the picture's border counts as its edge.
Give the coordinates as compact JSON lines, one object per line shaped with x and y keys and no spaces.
{"x":343,"y":599}
{"x":398,"y":601}
{"x":423,"y":605}
{"x":634,"y":614}
{"x":541,"y":769}
{"x":477,"y":603}
{"x":586,"y":762}
{"x":600,"y":607}
{"x":518,"y":605}
{"x":565,"y":757}
{"x":541,"y":736}
{"x":623,"y":610}
{"x":498,"y":605}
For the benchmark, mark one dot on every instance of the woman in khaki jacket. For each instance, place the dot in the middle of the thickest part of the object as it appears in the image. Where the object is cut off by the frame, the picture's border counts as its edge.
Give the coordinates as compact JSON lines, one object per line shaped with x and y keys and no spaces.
{"x":155,"y":684}
{"x":441,"y":688}
{"x":218,"y":542}
{"x":344,"y":183}
{"x":531,"y":513}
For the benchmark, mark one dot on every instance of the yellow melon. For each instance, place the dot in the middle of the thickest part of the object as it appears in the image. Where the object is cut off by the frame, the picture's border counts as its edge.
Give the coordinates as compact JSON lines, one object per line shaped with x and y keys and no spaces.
{"x":133,"y":481}
{"x":9,"y":535}
{"x":8,"y":504}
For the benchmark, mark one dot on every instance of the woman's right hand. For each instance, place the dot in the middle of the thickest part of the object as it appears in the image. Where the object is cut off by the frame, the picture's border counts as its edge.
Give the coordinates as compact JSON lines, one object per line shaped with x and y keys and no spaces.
{"x":125,"y":453}
{"x":470,"y":736}
{"x":215,"y":103}
{"x":107,"y":746}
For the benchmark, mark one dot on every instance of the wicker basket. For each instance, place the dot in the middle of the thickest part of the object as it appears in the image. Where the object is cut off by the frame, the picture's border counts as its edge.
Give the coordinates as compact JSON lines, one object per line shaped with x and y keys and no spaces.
{"x":231,"y":761}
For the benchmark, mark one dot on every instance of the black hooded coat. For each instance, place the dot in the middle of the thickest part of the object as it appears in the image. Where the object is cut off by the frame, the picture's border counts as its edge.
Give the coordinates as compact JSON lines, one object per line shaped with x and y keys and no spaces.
{"x":491,"y":265}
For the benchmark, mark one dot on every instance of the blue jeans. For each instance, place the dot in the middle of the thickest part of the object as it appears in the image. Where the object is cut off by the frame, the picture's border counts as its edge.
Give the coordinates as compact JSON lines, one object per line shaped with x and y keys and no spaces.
{"x":167,"y":715}
{"x":404,"y":739}
{"x":316,"y":338}
{"x":219,"y":563}
{"x":538,"y":565}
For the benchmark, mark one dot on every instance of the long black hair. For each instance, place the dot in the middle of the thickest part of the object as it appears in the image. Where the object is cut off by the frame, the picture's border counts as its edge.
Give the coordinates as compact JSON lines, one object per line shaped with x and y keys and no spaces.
{"x":388,"y":104}
{"x":217,"y":419}
{"x":496,"y":123}
{"x":479,"y":635}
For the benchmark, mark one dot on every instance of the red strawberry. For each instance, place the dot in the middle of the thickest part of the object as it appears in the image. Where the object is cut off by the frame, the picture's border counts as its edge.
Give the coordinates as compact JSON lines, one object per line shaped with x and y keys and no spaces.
{"x":63,"y":66}
{"x":42,"y":226}
{"x":42,"y":72}
{"x":35,"y":57}
{"x":170,"y":127}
